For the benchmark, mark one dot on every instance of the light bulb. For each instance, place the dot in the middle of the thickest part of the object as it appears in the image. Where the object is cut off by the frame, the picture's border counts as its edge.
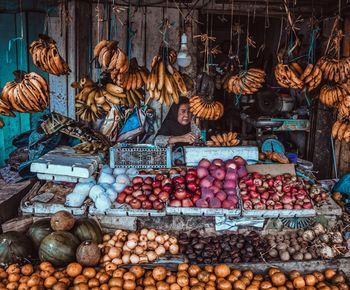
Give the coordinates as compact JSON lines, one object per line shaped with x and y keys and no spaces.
{"x":183,"y":57}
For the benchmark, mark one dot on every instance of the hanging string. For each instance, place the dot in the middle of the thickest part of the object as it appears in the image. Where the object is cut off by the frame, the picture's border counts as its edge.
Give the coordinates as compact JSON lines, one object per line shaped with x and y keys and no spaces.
{"x":231,"y":30}
{"x":246,"y":62}
{"x":266,"y":26}
{"x":280,"y":37}
{"x":247,"y":44}
{"x":206,"y":48}
{"x":98,"y":17}
{"x":312,"y":46}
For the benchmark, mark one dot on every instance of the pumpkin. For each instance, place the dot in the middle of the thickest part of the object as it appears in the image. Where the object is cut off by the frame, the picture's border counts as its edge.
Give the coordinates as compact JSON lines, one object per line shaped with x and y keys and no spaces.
{"x":88,"y":254}
{"x":86,"y":229}
{"x":62,"y":221}
{"x":58,"y":248}
{"x":39,"y":230}
{"x":14,"y":247}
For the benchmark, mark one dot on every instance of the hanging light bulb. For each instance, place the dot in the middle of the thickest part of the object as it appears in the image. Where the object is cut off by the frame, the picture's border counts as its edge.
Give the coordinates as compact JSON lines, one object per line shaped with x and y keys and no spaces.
{"x":183,"y":57}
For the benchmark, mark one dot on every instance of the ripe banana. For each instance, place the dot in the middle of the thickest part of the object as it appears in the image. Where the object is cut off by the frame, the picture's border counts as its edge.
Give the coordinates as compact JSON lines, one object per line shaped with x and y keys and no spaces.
{"x":208,"y":110}
{"x":246,"y":82}
{"x":28,"y":94}
{"x":45,"y":56}
{"x":335,"y":69}
{"x":164,"y":83}
{"x":223,"y":140}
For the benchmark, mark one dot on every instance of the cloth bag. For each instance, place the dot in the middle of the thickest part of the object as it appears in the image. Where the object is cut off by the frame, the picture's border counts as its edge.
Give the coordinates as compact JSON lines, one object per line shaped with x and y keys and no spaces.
{"x":133,"y":126}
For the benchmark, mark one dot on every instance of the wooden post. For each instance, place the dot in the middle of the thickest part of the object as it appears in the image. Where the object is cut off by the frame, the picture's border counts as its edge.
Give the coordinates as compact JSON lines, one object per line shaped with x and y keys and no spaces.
{"x":343,"y":152}
{"x":70,"y":29}
{"x":320,"y":146}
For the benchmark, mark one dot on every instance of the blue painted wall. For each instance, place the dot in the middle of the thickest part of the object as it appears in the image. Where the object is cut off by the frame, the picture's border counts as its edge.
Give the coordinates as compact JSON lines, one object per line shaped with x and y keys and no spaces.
{"x":14,"y":55}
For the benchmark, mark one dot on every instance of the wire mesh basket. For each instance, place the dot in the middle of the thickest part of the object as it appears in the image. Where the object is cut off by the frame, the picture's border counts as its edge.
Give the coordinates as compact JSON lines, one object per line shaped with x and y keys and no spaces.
{"x":140,"y":156}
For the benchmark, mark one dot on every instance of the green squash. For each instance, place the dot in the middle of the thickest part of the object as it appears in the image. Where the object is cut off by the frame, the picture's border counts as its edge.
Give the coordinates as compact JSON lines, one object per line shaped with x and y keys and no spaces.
{"x":59,"y":248}
{"x":15,"y":247}
{"x":88,"y":230}
{"x":39,"y":230}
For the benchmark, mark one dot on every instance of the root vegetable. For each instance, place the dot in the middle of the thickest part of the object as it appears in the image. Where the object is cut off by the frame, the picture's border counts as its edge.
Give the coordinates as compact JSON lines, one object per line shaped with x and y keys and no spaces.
{"x":284,"y":256}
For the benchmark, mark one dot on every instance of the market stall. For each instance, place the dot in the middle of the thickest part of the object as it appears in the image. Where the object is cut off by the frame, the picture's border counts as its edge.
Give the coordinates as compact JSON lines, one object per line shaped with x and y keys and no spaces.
{"x":180,"y":145}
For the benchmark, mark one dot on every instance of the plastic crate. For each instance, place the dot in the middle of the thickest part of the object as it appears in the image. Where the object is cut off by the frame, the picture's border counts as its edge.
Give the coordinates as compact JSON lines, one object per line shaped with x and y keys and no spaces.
{"x":140,"y":156}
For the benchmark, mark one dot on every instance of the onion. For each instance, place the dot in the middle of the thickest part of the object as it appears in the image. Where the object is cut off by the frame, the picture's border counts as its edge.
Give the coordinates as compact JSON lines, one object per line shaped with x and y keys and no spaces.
{"x":231,"y":175}
{"x":131,"y":244}
{"x":174,"y":249}
{"x":207,"y":181}
{"x":202,"y":203}
{"x":167,"y":245}
{"x":139,"y":250}
{"x":218,"y":173}
{"x":134,"y":259}
{"x":133,"y":236}
{"x":202,"y":172}
{"x":229,"y":184}
{"x":151,"y":255}
{"x":207,"y":193}
{"x":204,"y":163}
{"x":126,"y":259}
{"x":214,"y":202}
{"x":173,"y":240}
{"x":242,"y":171}
{"x":160,"y":239}
{"x":152,"y":245}
{"x":160,"y":250}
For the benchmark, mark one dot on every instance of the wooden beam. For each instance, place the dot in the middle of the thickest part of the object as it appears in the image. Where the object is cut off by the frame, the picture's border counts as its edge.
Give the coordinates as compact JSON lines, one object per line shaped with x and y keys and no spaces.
{"x":72,"y":40}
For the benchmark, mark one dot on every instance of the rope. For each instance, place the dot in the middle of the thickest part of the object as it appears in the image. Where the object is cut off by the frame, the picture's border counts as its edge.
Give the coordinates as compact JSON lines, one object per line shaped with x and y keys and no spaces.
{"x":238,"y":97}
{"x":312,"y":46}
{"x":334,"y":159}
{"x":280,"y":38}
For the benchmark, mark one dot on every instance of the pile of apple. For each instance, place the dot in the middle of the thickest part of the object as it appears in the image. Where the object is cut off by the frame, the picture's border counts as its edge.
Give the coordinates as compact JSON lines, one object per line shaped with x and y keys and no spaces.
{"x":186,"y":191}
{"x":284,"y":191}
{"x":147,"y":193}
{"x":211,"y":185}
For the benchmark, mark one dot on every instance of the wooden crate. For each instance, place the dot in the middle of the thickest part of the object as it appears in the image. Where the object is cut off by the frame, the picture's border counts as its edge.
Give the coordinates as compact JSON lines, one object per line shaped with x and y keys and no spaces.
{"x":46,"y":209}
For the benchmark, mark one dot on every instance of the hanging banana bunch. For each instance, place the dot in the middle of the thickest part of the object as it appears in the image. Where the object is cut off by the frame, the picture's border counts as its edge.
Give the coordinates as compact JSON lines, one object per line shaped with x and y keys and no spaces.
{"x":341,"y":131}
{"x":223,"y":140}
{"x":206,"y":109}
{"x":246,"y":82}
{"x":135,"y":78}
{"x":337,"y":70}
{"x":332,"y":96}
{"x":95,"y":98}
{"x":111,"y":57}
{"x":165,"y":83}
{"x":287,"y":76}
{"x":28,"y":93}
{"x":311,"y":76}
{"x":5,"y":110}
{"x":46,"y":56}
{"x":344,"y":108}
